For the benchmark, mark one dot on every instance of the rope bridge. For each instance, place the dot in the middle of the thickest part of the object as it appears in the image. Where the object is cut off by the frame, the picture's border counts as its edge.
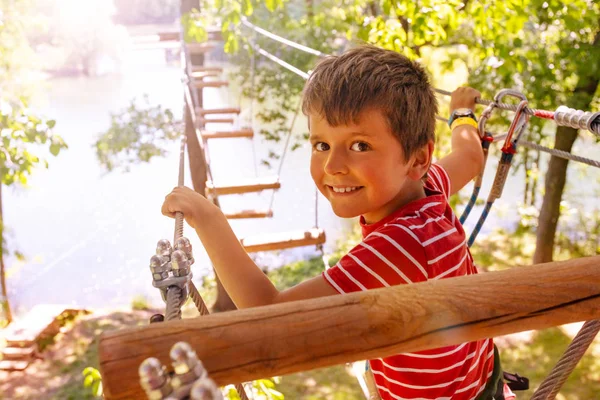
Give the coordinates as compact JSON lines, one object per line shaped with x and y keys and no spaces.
{"x":249,"y":344}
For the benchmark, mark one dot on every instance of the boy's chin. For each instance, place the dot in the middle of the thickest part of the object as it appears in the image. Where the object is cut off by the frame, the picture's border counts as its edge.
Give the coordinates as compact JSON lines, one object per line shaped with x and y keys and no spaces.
{"x":346,"y":213}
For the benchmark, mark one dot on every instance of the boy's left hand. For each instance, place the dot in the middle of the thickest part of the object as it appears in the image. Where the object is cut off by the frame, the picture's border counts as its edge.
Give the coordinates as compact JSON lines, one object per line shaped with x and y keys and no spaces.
{"x":192,"y":204}
{"x":464,"y":97}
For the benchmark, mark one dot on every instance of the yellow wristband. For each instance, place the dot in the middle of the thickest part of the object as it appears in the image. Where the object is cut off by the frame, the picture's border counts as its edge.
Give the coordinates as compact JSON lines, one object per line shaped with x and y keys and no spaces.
{"x":463,"y":121}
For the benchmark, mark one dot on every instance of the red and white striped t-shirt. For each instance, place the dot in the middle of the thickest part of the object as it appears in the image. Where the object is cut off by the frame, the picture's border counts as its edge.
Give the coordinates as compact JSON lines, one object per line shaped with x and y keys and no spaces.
{"x":422,"y":240}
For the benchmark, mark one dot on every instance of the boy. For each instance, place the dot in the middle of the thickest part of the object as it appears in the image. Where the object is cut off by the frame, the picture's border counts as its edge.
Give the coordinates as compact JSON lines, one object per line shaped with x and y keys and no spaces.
{"x":371,"y":118}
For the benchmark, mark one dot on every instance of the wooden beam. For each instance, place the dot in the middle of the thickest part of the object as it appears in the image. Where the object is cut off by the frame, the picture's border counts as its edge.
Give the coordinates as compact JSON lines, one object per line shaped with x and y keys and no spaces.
{"x":283,"y":240}
{"x":244,"y":185}
{"x":242,"y":133}
{"x":216,"y":84}
{"x":244,"y":345}
{"x":243,"y":214}
{"x":202,"y":68}
{"x":226,"y":110}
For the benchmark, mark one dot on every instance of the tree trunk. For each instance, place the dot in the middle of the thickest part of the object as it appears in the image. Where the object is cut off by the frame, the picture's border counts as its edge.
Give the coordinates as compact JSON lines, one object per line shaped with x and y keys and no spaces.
{"x":5,"y":303}
{"x":556,"y":176}
{"x":197,"y":161}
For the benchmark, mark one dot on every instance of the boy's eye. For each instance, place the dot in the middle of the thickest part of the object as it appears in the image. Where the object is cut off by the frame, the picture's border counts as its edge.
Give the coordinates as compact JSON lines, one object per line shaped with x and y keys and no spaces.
{"x":321,"y":146}
{"x":360,"y":146}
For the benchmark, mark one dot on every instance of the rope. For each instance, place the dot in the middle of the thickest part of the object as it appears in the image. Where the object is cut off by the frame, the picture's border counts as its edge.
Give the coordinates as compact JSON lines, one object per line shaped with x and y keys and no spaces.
{"x":560,"y":153}
{"x":179,"y":215}
{"x":563,"y":116}
{"x":173,"y":303}
{"x":561,"y":371}
{"x":282,"y":40}
{"x":285,"y":148}
{"x":198,"y":301}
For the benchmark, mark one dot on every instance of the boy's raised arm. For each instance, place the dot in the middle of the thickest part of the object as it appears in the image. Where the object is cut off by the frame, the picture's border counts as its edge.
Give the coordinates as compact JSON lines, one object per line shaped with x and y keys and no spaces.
{"x":465,"y":160}
{"x":244,"y":281}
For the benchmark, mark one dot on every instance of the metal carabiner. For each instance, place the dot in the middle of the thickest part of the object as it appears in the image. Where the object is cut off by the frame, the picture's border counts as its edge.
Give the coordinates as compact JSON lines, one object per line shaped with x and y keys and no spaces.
{"x":516,"y":129}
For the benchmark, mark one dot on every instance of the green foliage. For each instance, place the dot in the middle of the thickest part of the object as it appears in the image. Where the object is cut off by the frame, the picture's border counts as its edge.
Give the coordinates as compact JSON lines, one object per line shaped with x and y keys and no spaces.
{"x":21,"y":132}
{"x":93,"y":381}
{"x":262,"y":389}
{"x":140,"y":303}
{"x":136,"y":135}
{"x":294,"y":273}
{"x":193,"y":27}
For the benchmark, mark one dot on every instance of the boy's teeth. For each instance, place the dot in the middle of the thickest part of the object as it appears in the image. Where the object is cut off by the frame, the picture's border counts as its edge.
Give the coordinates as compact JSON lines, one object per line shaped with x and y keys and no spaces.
{"x":343,"y":190}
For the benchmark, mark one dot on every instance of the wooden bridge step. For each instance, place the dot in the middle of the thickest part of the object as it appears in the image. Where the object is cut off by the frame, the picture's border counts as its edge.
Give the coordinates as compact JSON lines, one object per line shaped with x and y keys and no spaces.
{"x":202,"y":68}
{"x":202,"y":84}
{"x":199,"y":48}
{"x":224,"y":120}
{"x":246,"y":186}
{"x":242,"y":133}
{"x":205,"y":74}
{"x":243,"y":214}
{"x":18,"y":353}
{"x":284,"y":240}
{"x":11,"y":365}
{"x":227,"y":110}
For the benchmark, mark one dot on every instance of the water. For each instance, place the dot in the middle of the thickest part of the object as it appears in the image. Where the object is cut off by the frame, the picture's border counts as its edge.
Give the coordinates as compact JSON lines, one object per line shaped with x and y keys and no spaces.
{"x":88,"y":235}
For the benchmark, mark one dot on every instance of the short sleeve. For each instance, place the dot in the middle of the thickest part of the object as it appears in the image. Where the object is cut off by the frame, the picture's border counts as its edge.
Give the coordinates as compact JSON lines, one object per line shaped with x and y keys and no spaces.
{"x":389,"y":256}
{"x":438,"y":180}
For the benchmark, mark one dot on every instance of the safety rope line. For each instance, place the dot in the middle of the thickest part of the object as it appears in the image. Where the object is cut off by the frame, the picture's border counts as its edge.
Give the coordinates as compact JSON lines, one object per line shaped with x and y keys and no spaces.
{"x":516,"y":129}
{"x":550,"y":387}
{"x":560,"y":153}
{"x":563,"y":116}
{"x":285,"y":148}
{"x":282,"y":40}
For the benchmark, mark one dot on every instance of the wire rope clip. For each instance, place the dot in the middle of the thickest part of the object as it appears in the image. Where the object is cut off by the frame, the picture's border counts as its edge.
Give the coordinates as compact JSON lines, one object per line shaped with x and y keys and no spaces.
{"x":186,"y":365}
{"x":172,"y":267}
{"x":154,"y":379}
{"x":189,"y":379}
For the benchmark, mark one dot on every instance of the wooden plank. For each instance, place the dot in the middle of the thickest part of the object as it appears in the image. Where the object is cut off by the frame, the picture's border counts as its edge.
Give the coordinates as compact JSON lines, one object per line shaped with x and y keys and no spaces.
{"x":244,"y":186}
{"x":12,"y":365}
{"x":25,"y":331}
{"x":18,"y":353}
{"x":215,"y":84}
{"x":213,"y":120}
{"x":241,"y":133}
{"x":227,"y":110}
{"x":246,"y":214}
{"x":200,"y":48}
{"x":202,"y":68}
{"x":205,"y":74}
{"x":245,"y":345}
{"x":284,"y":240}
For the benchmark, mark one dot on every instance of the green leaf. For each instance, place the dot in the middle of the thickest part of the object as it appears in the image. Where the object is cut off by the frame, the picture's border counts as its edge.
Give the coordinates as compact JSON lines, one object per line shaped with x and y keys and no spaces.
{"x":51,"y":123}
{"x":55,"y":149}
{"x":270,"y":4}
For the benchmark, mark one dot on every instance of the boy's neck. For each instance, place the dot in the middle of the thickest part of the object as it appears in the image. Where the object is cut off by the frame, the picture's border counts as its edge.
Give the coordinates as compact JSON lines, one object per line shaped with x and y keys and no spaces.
{"x":412,"y":192}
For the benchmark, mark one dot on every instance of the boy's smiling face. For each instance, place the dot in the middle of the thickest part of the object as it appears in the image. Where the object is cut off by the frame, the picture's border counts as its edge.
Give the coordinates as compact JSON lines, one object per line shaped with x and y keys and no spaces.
{"x":361,"y":168}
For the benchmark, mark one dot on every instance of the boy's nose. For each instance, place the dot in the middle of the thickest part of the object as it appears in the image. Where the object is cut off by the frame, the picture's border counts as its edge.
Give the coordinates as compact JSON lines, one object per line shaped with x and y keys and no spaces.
{"x":336,"y":163}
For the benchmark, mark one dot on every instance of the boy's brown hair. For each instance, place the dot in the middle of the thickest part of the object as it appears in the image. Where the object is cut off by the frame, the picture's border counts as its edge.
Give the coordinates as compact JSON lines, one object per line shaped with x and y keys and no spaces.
{"x":341,"y":87}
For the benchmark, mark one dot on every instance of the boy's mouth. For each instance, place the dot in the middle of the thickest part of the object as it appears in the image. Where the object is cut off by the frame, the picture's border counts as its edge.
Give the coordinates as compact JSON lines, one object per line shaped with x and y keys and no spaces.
{"x":344,"y":189}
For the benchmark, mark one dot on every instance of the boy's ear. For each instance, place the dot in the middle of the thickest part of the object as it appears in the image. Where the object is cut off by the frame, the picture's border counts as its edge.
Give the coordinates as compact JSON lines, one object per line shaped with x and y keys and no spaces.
{"x":421,"y":161}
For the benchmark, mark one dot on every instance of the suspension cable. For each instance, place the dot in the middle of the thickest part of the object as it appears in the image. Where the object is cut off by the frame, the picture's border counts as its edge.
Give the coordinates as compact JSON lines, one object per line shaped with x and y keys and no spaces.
{"x":282,"y":40}
{"x":563,"y":116}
